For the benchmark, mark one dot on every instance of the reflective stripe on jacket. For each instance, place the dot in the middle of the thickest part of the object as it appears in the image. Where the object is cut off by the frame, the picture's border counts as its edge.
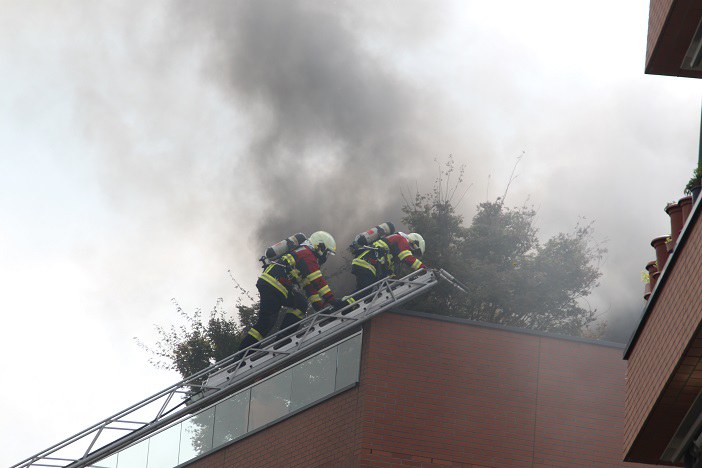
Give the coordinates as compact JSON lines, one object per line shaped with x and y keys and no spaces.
{"x":302,"y":268}
{"x":366,"y":260}
{"x":396,"y":247}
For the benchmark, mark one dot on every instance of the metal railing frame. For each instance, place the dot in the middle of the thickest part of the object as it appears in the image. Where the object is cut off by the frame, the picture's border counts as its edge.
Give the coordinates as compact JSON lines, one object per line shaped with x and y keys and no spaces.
{"x":225,"y":376}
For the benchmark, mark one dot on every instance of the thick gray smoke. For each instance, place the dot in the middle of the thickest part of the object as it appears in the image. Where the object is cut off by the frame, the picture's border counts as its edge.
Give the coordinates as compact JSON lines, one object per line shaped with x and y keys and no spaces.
{"x":337,"y":132}
{"x":236,"y":124}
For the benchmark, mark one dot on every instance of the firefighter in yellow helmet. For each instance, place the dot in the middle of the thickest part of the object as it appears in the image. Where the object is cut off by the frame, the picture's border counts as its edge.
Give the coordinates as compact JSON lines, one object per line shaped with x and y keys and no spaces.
{"x":282,"y":281}
{"x":382,"y":259}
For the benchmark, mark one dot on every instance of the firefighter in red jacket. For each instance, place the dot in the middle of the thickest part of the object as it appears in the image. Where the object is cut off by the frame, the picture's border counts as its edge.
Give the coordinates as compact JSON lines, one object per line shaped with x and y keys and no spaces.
{"x":278,"y":286}
{"x":384,"y":255}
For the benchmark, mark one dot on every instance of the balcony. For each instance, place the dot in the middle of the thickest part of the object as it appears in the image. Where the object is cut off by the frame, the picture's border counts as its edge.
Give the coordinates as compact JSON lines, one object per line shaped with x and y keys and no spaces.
{"x":664,"y":368}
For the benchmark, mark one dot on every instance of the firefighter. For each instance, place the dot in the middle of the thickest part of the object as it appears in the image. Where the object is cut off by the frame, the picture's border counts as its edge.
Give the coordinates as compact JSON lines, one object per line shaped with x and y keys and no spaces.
{"x":282,"y":282}
{"x":382,"y":257}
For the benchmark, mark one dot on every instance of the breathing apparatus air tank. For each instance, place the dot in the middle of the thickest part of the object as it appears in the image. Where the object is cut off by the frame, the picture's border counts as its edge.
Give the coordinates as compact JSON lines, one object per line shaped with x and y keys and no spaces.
{"x":372,"y":235}
{"x":283,"y":247}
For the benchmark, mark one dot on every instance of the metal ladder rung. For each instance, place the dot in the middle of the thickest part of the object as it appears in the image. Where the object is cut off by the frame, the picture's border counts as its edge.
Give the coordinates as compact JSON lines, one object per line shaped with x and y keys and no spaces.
{"x":385,"y":294}
{"x":240,"y":368}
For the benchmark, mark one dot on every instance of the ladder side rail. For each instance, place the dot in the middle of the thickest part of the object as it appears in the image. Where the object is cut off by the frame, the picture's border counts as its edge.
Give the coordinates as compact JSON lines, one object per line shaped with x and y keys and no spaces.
{"x":452,"y":280}
{"x":381,"y":285}
{"x":274,"y":355}
{"x":168,"y":392}
{"x":116,"y":418}
{"x":135,"y":435}
{"x":207,"y":400}
{"x":362,"y":313}
{"x":364,"y":317}
{"x":284,"y":351}
{"x":308,"y":322}
{"x":165,"y":418}
{"x":101,"y":425}
{"x":55,"y":466}
{"x":117,"y":445}
{"x":165,"y":421}
{"x":303,"y":338}
{"x":260,"y":346}
{"x":386,"y":284}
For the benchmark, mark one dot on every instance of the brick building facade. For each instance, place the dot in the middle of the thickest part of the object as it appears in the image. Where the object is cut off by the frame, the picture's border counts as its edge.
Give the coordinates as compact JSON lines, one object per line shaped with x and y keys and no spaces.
{"x":444,"y":392}
{"x":664,"y":375}
{"x":664,"y":355}
{"x":674,"y":38}
{"x":449,"y":393}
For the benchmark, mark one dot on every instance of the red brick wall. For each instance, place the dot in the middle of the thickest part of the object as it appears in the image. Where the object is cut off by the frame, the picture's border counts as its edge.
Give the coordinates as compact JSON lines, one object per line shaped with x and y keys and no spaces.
{"x":658,"y":12}
{"x":449,"y":393}
{"x":580,"y":404}
{"x":664,"y":337}
{"x":436,"y":393}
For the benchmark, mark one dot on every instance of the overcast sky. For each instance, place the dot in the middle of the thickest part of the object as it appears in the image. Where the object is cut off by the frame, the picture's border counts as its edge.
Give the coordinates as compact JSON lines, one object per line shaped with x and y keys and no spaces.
{"x":148,"y":148}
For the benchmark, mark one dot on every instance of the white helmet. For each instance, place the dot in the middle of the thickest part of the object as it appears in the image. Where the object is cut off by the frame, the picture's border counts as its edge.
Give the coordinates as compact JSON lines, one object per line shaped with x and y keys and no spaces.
{"x":416,"y":241}
{"x":323,"y":243}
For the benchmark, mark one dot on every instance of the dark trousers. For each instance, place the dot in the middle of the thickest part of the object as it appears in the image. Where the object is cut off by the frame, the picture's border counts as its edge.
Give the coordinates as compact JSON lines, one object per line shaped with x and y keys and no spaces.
{"x":271,"y":302}
{"x":364,"y":277}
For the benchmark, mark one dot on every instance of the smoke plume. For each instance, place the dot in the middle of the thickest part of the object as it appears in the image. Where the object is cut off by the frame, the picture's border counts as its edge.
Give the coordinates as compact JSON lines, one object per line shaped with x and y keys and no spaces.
{"x":336,"y":130}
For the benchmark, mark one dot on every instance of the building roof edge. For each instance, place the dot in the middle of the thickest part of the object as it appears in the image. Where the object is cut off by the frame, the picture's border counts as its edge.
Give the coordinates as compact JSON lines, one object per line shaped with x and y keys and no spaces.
{"x":496,"y":326}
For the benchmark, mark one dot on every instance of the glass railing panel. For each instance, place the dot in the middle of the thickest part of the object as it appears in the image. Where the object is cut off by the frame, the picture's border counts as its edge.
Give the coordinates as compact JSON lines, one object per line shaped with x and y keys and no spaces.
{"x":109,"y":462}
{"x":348,"y":362}
{"x":270,"y":400}
{"x":134,"y":456}
{"x":231,"y":418}
{"x":164,"y":448}
{"x":313,"y":379}
{"x":267,"y":401}
{"x":196,"y":436}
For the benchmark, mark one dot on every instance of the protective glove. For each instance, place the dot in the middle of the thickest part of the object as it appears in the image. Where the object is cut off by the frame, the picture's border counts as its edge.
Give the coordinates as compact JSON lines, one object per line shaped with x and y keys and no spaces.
{"x":299,"y":300}
{"x":337,"y":304}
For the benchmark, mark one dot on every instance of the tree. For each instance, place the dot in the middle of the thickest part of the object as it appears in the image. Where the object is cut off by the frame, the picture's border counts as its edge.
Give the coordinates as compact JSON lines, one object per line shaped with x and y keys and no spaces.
{"x":198,"y":344}
{"x":512,"y":278}
{"x":201,"y":342}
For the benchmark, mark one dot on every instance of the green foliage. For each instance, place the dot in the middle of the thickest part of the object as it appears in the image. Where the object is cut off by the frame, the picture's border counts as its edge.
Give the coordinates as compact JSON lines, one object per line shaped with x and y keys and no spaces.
{"x":513,"y":278}
{"x":695,"y":180}
{"x":200,"y":342}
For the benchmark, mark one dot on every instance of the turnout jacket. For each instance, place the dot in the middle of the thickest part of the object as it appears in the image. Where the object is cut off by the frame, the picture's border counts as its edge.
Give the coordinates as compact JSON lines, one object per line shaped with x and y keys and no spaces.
{"x":301,"y":268}
{"x":382,"y":261}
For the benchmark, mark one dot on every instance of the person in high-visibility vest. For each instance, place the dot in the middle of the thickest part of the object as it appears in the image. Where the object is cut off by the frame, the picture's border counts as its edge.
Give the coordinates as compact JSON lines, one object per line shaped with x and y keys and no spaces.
{"x":282,"y":282}
{"x":384,"y":255}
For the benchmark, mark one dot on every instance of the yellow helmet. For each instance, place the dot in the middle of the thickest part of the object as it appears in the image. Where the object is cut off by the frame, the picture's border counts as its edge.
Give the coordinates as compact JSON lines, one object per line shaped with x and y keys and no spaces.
{"x":323,"y":243}
{"x":416,"y":241}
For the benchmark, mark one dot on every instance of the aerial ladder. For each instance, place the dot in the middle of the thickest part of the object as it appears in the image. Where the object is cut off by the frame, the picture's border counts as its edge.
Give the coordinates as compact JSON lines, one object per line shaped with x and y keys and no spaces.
{"x":225,"y":377}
